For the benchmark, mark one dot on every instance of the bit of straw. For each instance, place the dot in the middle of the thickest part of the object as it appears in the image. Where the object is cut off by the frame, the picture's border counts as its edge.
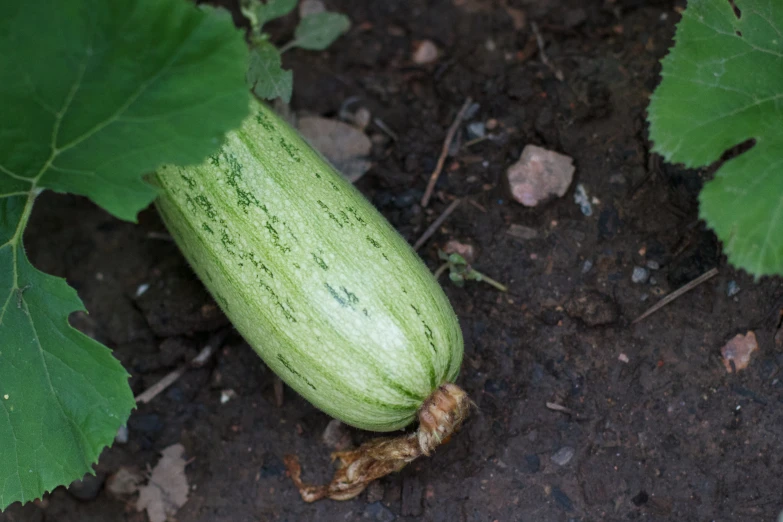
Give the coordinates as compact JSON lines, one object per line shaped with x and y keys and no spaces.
{"x":385,"y":128}
{"x":215,"y":342}
{"x":444,"y":152}
{"x":435,"y":224}
{"x":544,"y":58}
{"x":677,"y":293}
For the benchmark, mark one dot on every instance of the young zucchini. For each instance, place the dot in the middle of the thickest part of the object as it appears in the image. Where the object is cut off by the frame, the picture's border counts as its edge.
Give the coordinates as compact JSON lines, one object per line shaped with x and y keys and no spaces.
{"x":332,"y":298}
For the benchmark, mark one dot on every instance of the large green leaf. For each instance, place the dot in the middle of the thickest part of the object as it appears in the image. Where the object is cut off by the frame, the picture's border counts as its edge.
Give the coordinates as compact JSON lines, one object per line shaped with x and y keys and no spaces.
{"x":94,"y":94}
{"x":723,"y":85}
{"x":62,"y":395}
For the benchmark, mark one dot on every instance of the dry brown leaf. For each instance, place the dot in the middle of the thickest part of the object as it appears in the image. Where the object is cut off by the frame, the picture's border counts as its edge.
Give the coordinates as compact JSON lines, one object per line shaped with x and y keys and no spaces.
{"x":167,"y":488}
{"x":124,"y":483}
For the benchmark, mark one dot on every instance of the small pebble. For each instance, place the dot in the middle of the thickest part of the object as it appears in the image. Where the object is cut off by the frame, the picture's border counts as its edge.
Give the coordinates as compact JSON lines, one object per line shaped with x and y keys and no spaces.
{"x":425,"y":53}
{"x":737,"y":352}
{"x":732,"y":288}
{"x":623,"y":358}
{"x":640,"y":275}
{"x":122,"y":435}
{"x":587,"y":266}
{"x":142,"y":289}
{"x":476,"y":130}
{"x":227,"y":395}
{"x":539,"y":175}
{"x":581,"y":199}
{"x":653,"y":265}
{"x":563,"y":456}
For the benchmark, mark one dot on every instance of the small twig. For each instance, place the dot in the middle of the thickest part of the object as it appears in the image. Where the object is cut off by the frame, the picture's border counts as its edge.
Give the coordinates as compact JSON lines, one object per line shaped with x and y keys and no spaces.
{"x":544,"y":58}
{"x":213,"y":344}
{"x":677,"y":293}
{"x":159,"y":235}
{"x":438,"y":222}
{"x":559,"y":407}
{"x":444,"y":152}
{"x":385,"y":128}
{"x":474,"y":141}
{"x":153,"y":391}
{"x":477,"y":205}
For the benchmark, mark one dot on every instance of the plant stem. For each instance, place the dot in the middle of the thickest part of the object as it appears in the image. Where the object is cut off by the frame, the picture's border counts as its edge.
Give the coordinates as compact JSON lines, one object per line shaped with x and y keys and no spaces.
{"x":287,"y":46}
{"x":15,"y":243}
{"x":28,"y":207}
{"x":489,"y":280}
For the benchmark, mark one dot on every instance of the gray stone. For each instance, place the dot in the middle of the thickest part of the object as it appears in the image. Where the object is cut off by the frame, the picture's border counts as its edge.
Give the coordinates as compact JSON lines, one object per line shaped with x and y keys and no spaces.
{"x":563,"y":456}
{"x":640,"y":275}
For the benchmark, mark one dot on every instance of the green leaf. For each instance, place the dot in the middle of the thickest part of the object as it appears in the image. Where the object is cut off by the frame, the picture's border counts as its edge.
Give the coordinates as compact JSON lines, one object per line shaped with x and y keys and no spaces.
{"x":259,"y":12}
{"x":723,"y":85}
{"x":266,"y":77}
{"x":62,"y":395}
{"x":317,"y":31}
{"x":94,"y":95}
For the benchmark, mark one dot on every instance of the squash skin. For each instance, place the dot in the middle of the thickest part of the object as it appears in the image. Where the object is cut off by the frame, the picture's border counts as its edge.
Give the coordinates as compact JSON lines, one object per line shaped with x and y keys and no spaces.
{"x":316,"y":280}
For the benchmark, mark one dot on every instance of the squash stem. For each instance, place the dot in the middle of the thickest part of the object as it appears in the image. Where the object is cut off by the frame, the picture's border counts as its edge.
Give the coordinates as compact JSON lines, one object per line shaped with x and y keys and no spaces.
{"x":440,"y":416}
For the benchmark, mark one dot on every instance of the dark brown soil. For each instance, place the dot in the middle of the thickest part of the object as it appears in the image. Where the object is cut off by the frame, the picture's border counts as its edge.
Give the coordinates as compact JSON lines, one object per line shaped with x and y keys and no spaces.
{"x":667,"y":435}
